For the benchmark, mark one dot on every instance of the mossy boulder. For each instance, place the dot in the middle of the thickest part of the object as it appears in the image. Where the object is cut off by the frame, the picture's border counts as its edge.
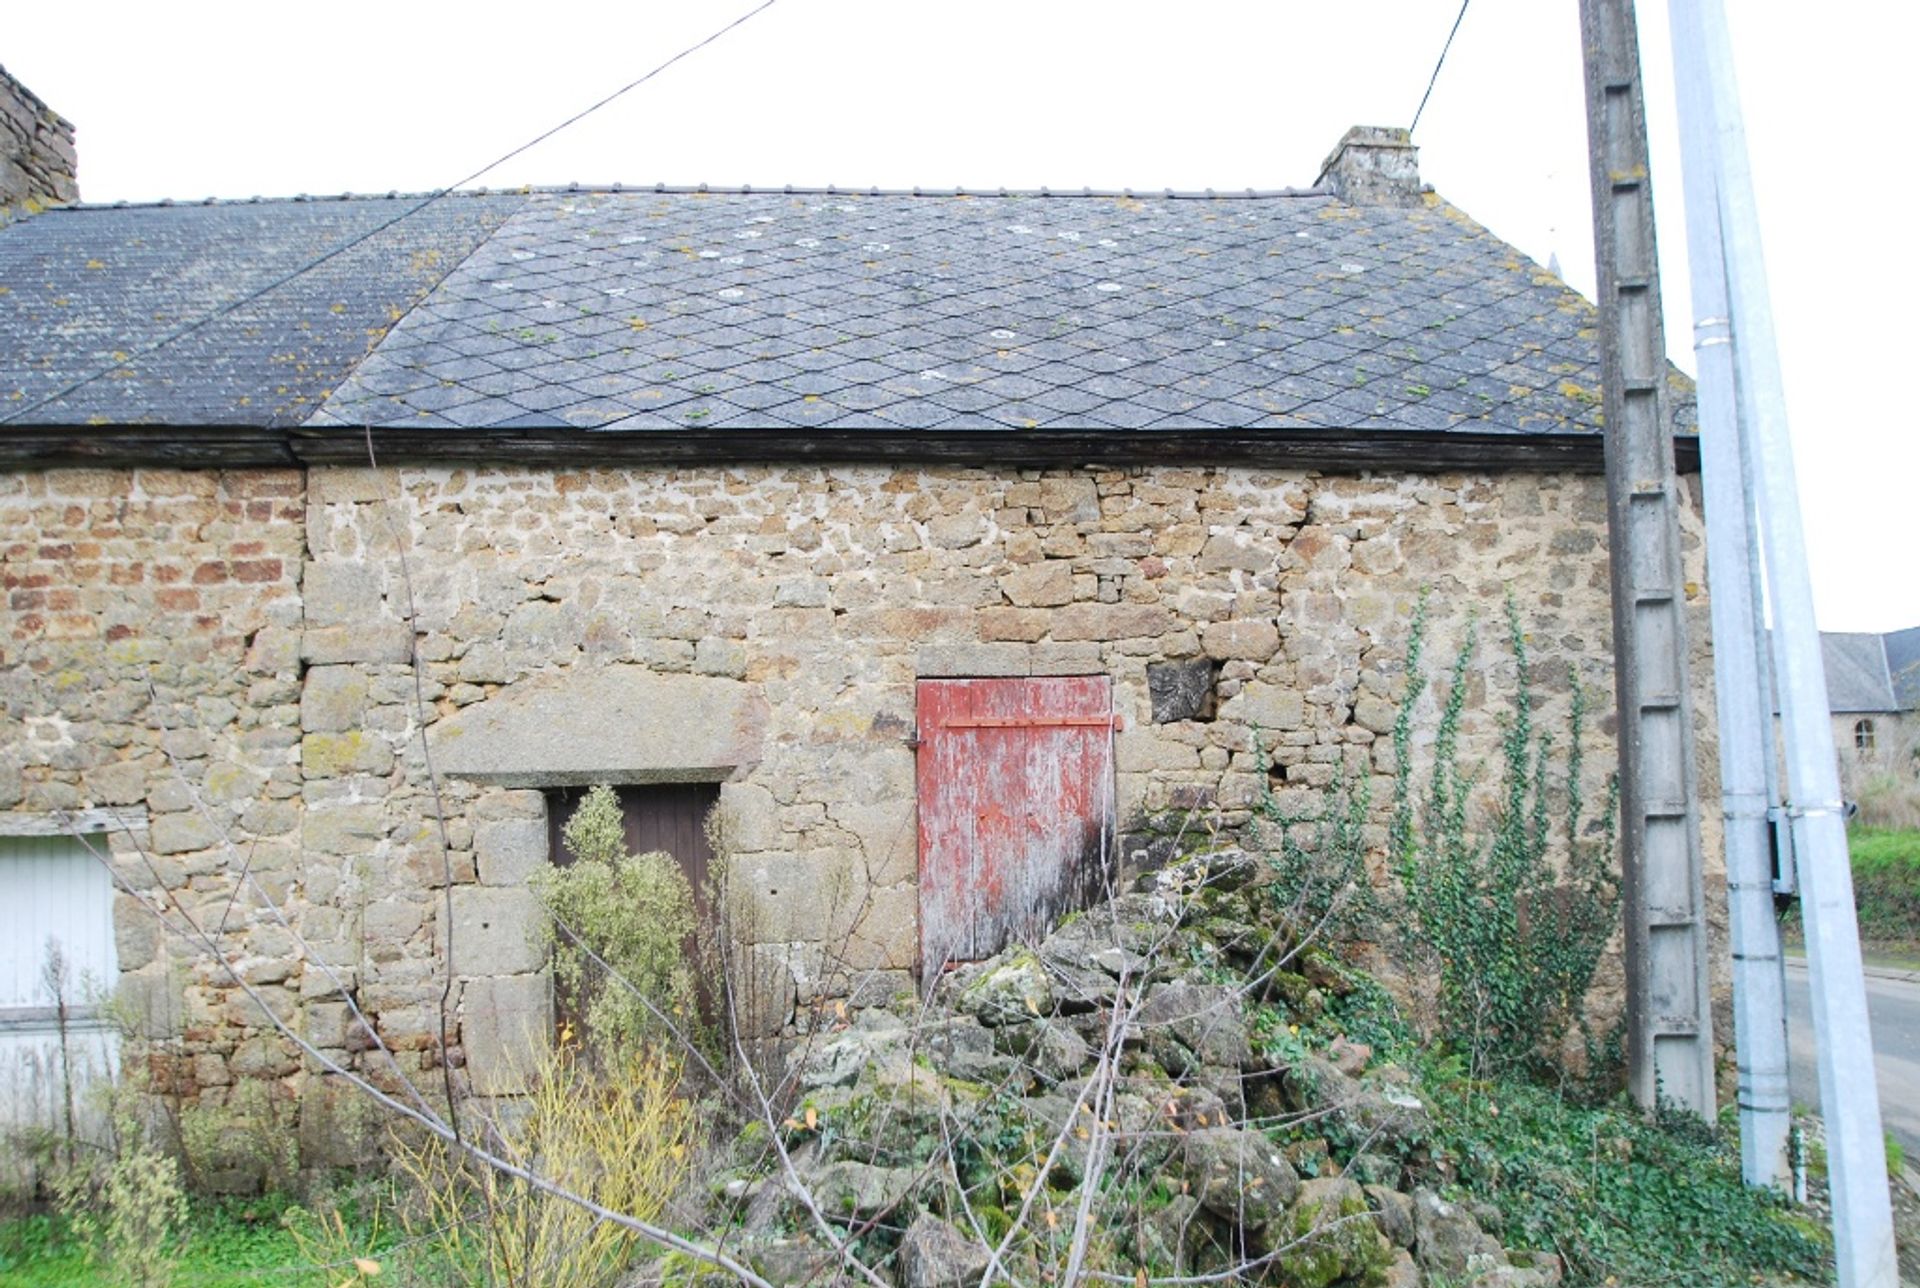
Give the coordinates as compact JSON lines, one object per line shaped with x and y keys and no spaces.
{"x":935,"y":1254}
{"x":1328,"y":1237}
{"x":1240,"y":1176}
{"x":1013,"y":988}
{"x":860,"y":1190}
{"x":1448,"y":1241}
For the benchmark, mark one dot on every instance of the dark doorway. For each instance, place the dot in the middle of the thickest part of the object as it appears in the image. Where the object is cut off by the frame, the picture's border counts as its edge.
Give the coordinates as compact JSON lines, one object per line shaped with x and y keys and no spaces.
{"x":660,"y":816}
{"x":669,"y":817}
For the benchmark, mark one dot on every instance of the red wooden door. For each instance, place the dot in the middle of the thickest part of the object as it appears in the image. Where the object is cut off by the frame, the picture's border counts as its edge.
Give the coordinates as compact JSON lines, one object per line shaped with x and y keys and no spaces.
{"x":1015,"y":795}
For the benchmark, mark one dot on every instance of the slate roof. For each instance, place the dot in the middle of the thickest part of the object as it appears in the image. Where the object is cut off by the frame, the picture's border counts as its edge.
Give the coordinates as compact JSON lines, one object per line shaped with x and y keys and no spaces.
{"x":1861,"y":670}
{"x":84,"y":285}
{"x":1903,"y":666}
{"x":1856,"y":666}
{"x":608,"y":310}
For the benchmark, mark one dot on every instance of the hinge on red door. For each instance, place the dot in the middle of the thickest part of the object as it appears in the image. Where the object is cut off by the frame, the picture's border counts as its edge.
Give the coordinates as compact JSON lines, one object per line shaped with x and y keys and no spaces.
{"x":912,"y":740}
{"x":1114,"y":721}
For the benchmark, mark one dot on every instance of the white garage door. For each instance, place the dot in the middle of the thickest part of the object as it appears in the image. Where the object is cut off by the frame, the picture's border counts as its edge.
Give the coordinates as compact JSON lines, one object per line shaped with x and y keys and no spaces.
{"x":53,"y":894}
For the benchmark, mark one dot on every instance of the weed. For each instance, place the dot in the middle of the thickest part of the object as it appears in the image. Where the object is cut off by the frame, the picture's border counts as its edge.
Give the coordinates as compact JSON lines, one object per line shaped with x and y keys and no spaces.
{"x":1320,"y":863}
{"x":616,"y":1132}
{"x":247,"y":1144}
{"x":127,"y":1207}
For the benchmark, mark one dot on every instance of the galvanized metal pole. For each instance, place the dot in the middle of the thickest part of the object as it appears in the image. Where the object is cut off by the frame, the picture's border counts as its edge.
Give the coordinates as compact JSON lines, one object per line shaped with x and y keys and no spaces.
{"x":1669,"y":1025}
{"x":1744,"y":704}
{"x":1849,"y":1100}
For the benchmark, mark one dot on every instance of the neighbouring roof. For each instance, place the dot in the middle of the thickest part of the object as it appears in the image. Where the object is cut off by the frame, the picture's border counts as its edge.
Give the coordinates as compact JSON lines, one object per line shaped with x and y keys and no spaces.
{"x":533,"y":317}
{"x":1869,"y":673}
{"x":1903,"y":666}
{"x":1856,"y":665}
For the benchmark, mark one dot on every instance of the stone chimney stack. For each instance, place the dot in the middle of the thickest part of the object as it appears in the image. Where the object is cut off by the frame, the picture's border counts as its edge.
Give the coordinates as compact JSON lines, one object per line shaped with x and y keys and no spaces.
{"x":1374,"y":165}
{"x":37,"y":160}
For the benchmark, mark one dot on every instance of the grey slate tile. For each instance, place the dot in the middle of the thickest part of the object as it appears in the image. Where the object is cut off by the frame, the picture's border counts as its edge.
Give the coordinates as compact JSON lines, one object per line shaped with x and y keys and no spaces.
{"x":803,"y":310}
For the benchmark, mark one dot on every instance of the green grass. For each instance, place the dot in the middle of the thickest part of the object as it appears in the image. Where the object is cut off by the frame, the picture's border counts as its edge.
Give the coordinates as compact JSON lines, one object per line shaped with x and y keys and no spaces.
{"x":1886,"y":885}
{"x":1886,"y":890}
{"x":229,"y":1244}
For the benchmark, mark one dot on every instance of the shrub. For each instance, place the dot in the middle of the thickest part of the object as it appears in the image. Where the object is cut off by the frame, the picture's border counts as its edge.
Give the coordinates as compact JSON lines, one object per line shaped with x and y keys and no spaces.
{"x":635,"y":913}
{"x":1512,"y":917}
{"x":127,"y":1204}
{"x":614,"y":1131}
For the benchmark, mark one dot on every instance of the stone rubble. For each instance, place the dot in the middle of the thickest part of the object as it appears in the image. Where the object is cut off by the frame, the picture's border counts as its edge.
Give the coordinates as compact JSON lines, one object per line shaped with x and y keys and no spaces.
{"x":912,"y":1138}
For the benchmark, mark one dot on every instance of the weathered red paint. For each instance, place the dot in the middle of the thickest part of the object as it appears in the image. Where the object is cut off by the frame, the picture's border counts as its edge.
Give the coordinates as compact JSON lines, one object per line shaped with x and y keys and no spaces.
{"x":1015,"y":788}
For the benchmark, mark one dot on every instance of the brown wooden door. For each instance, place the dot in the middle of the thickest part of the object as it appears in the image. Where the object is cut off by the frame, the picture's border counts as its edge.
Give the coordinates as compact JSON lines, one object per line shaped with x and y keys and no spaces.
{"x":1015,"y":798}
{"x":670,"y":817}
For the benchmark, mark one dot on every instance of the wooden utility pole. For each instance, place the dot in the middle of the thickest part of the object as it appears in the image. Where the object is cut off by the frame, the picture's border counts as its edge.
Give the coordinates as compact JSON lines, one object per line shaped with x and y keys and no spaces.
{"x":1669,"y":1028}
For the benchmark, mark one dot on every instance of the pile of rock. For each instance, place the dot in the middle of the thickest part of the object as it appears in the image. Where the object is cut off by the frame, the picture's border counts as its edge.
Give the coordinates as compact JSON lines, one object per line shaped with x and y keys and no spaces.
{"x":1137,"y":1077}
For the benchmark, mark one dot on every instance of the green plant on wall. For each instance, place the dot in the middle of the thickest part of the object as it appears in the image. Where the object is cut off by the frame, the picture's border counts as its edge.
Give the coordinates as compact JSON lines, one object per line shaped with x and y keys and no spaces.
{"x":1512,"y":914}
{"x":635,"y":913}
{"x":1319,"y":860}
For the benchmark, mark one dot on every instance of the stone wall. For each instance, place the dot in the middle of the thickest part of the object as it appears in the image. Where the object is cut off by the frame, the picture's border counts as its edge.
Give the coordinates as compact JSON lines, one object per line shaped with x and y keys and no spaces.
{"x":37,"y":160}
{"x":149,"y":663}
{"x":757,"y":627}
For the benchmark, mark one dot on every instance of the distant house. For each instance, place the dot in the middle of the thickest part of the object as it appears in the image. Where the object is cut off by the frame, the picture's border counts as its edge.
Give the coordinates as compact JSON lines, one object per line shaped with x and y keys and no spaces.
{"x":1873,"y":689}
{"x":917,"y":559}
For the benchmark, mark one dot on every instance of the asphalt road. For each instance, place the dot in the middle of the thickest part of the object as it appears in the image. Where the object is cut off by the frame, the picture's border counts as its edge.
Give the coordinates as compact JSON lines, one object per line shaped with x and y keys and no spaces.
{"x":1893,"y":1007}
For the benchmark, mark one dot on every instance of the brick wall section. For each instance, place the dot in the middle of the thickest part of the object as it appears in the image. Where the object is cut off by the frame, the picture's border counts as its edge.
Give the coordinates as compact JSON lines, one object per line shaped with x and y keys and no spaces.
{"x":148,"y":658}
{"x":277,"y":616}
{"x":37,"y":160}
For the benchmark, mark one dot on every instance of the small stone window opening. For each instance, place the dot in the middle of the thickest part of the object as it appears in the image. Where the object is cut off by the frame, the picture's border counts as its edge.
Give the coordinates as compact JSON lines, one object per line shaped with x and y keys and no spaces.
{"x":1183,"y":690}
{"x":1863,"y":736}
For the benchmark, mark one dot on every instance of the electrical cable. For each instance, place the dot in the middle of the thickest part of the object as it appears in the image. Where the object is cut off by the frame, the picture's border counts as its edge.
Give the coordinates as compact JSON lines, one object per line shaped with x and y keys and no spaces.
{"x":1433,"y":79}
{"x":437,"y":194}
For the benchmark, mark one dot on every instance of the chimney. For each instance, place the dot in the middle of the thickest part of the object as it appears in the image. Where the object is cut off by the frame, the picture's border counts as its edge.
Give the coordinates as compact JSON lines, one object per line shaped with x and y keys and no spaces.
{"x":1374,"y":165}
{"x":37,"y":160}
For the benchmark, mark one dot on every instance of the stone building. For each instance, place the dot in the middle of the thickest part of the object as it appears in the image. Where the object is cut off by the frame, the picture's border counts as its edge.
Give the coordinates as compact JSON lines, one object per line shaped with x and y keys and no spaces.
{"x":1873,"y":689}
{"x":716,"y":496}
{"x":37,"y":160}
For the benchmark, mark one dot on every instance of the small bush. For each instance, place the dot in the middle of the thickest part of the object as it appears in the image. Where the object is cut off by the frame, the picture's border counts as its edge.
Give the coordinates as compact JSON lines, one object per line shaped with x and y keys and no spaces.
{"x":635,"y":912}
{"x":127,"y":1205}
{"x":616,"y":1132}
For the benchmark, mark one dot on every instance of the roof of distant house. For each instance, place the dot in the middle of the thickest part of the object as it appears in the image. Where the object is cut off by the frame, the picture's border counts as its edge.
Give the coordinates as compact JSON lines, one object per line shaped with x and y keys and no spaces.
{"x":1870,"y":674}
{"x":1903,"y":666}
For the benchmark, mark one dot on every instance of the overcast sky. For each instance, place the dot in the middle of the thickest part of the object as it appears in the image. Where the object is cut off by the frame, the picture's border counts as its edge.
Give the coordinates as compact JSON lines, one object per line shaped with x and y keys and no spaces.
{"x":188,"y":100}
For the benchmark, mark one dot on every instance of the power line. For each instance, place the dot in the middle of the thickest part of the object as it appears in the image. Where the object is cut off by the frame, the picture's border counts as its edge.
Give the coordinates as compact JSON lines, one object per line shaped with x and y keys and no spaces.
{"x":204,"y":320}
{"x":1431,"y":80}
